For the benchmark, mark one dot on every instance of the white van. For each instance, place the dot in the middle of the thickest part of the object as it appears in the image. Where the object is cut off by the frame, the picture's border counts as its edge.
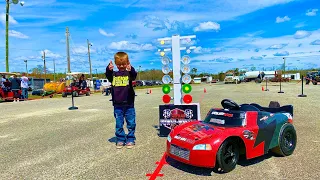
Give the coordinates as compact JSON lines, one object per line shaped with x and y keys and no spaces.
{"x":105,"y":82}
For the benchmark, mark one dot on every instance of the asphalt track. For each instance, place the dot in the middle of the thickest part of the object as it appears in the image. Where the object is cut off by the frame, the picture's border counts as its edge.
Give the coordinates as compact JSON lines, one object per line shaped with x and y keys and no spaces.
{"x":42,"y":139}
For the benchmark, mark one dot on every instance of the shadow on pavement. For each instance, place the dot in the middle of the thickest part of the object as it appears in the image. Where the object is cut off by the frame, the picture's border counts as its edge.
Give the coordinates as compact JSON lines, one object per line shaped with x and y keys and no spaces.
{"x":113,"y":140}
{"x":207,"y":171}
{"x":158,"y":129}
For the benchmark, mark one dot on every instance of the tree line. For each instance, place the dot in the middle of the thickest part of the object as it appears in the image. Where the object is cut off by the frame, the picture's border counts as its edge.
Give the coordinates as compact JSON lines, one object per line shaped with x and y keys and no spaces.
{"x":152,"y":74}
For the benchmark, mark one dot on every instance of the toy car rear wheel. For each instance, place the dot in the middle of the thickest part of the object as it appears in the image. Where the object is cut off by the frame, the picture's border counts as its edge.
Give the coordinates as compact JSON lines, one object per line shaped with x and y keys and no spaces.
{"x":227,"y":156}
{"x":75,"y":94}
{"x":287,"y":140}
{"x":64,"y":94}
{"x":87,"y":93}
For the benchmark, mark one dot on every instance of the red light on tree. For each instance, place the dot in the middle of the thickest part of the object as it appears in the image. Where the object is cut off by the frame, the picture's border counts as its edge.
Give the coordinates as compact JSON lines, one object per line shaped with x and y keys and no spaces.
{"x":166,"y":98}
{"x":187,"y":98}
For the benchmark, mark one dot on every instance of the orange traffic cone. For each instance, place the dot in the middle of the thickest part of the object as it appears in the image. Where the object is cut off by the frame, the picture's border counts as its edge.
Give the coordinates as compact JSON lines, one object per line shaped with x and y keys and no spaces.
{"x":150,"y":91}
{"x":204,"y":90}
{"x":262,"y":88}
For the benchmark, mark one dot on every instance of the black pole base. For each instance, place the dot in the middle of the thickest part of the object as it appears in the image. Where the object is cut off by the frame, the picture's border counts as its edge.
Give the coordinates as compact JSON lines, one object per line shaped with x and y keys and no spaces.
{"x":302,"y":95}
{"x":266,"y":90}
{"x":280,"y":92}
{"x":73,"y":108}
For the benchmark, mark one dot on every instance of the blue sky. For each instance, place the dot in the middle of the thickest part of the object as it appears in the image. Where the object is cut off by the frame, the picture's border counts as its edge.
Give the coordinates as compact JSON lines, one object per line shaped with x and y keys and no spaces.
{"x":230,"y":33}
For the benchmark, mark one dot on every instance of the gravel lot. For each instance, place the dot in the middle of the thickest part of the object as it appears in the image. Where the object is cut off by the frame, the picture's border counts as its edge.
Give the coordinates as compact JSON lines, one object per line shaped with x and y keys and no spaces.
{"x":42,"y":139}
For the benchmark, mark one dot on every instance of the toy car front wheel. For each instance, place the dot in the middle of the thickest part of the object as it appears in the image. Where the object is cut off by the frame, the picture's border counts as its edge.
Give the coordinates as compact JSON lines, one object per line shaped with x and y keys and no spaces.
{"x":75,"y":94}
{"x":287,"y":140}
{"x":87,"y":93}
{"x":227,"y":156}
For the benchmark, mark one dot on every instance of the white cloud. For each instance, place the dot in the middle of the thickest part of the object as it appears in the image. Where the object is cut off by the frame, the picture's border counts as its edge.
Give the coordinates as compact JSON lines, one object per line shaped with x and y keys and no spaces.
{"x":81,"y":50}
{"x":126,"y":45}
{"x":200,"y":49}
{"x":283,"y":53}
{"x":205,"y":26}
{"x":277,"y":46}
{"x":267,"y":46}
{"x":219,"y":10}
{"x":101,"y":31}
{"x":316,"y":42}
{"x":256,"y":58}
{"x":299,"y":25}
{"x":3,"y":19}
{"x":50,"y":54}
{"x":280,"y":19}
{"x":311,"y":12}
{"x":257,"y":33}
{"x":301,"y":34}
{"x":17,"y":34}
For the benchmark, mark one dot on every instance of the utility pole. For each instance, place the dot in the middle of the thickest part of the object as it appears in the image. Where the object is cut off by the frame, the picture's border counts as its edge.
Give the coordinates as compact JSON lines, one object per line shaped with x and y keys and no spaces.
{"x":284,"y":67}
{"x":68,"y":50}
{"x":44,"y":66}
{"x":89,"y":44}
{"x":54,"y":70}
{"x":139,"y":72}
{"x":97,"y":72}
{"x":7,"y":28}
{"x":26,"y":61}
{"x":7,"y":35}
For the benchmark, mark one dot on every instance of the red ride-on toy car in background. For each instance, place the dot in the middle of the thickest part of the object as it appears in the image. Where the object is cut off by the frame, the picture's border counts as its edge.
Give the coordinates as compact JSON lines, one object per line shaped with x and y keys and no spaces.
{"x":6,"y":93}
{"x":225,"y":134}
{"x":75,"y":86}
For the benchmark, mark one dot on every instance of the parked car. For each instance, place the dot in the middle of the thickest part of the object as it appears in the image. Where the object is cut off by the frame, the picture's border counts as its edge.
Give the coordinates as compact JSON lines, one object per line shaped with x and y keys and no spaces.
{"x":149,"y":83}
{"x":139,"y":83}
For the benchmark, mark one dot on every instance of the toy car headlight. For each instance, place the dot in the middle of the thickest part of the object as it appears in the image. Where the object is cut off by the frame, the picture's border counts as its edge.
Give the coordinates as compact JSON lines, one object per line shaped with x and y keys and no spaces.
{"x":202,"y":147}
{"x":169,"y":138}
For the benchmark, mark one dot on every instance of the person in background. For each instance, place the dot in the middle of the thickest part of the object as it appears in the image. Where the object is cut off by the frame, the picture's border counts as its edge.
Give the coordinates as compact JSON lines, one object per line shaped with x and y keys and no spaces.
{"x":16,"y":86}
{"x":24,"y":86}
{"x":7,"y":85}
{"x":2,"y":81}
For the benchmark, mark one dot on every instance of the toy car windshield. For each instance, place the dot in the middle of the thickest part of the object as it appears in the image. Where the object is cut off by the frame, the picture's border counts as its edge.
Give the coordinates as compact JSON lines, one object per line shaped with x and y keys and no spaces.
{"x":225,"y":118}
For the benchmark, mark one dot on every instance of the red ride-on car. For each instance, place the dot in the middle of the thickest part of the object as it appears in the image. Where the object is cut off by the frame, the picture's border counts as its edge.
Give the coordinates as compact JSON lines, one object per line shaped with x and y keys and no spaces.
{"x":76,"y":91}
{"x":75,"y":88}
{"x":225,"y":134}
{"x":6,"y":93}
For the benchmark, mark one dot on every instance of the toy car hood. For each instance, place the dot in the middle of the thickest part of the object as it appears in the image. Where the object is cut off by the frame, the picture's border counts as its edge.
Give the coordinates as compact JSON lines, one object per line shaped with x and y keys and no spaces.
{"x":194,"y":132}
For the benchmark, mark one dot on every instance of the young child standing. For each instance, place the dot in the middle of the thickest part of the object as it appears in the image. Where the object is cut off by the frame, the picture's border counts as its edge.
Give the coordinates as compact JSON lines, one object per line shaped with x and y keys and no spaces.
{"x":123,"y":96}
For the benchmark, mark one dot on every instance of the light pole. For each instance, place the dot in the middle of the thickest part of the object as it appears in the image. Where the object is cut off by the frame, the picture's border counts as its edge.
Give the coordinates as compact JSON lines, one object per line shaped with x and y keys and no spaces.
{"x":97,"y":72}
{"x":54,"y":70}
{"x":44,"y":66}
{"x":139,"y":72}
{"x":89,"y":44}
{"x":26,"y":61}
{"x":284,"y":67}
{"x":7,"y":29}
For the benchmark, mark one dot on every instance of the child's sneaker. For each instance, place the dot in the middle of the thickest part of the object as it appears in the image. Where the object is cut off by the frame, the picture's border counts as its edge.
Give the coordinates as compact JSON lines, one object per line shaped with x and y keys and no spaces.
{"x":120,"y":145}
{"x":130,"y":145}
